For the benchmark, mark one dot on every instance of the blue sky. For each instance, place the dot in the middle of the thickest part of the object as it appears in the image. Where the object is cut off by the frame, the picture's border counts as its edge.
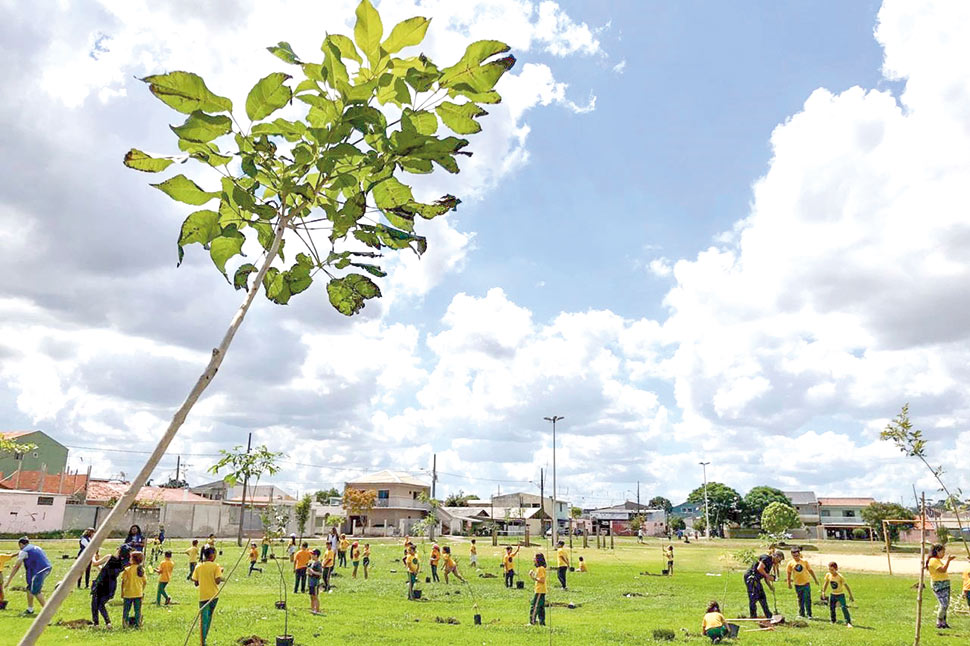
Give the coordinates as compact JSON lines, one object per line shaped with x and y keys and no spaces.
{"x":690,"y":227}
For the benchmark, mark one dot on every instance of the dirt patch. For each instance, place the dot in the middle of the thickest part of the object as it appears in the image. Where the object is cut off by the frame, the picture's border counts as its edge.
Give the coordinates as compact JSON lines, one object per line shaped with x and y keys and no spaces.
{"x":73,"y":624}
{"x":446,"y":620}
{"x":902,"y":563}
{"x":252,"y":640}
{"x":487,"y":575}
{"x":633,"y":594}
{"x":560,"y":604}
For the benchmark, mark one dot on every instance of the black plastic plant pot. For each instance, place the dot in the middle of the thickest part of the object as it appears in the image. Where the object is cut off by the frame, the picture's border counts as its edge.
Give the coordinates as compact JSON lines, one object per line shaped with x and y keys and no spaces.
{"x":284,"y":640}
{"x":3,"y":604}
{"x":665,"y":572}
{"x":520,"y":585}
{"x":133,"y":622}
{"x":427,"y":579}
{"x":281,"y":605}
{"x":478,"y":620}
{"x":416,"y":594}
{"x":572,"y":569}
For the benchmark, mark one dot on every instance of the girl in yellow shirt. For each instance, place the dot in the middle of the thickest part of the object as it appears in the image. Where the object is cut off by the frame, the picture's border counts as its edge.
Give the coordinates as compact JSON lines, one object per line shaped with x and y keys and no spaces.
{"x":713,"y":625}
{"x":366,"y":559}
{"x":940,"y":579}
{"x":355,"y":557}
{"x":133,"y":582}
{"x":538,"y":610}
{"x":451,"y":567}
{"x":164,"y":571}
{"x":435,"y":557}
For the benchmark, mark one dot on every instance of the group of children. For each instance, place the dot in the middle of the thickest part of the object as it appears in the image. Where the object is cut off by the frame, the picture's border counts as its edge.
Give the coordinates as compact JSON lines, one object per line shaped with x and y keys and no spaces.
{"x":312,"y":570}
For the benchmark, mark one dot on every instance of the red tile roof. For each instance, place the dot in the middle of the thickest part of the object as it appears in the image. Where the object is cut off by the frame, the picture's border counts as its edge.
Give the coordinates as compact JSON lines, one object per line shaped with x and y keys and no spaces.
{"x":102,"y":491}
{"x":9,"y":435}
{"x":52,"y":483}
{"x":846,"y":502}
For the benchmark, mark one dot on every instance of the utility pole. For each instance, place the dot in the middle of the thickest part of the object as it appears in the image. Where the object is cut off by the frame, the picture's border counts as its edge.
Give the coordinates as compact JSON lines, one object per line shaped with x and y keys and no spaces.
{"x":434,"y":481}
{"x":555,"y":508}
{"x":178,"y":468}
{"x":242,"y":506}
{"x":707,"y":513}
{"x":542,"y":500}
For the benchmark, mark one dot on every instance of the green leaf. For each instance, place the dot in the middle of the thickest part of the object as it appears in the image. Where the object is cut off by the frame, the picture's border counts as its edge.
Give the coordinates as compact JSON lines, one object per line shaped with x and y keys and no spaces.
{"x":405,"y":34}
{"x":336,"y":71}
{"x":469,"y":73}
{"x":420,"y":121}
{"x":142,"y":161}
{"x":345,"y":46}
{"x":267,"y":96}
{"x":226,"y":245}
{"x":206,"y":152}
{"x":186,"y":92}
{"x":393,"y":90}
{"x":373,"y":270}
{"x":368,"y":31}
{"x":291,"y":130}
{"x":201,"y":227}
{"x":284,"y":52}
{"x":182,"y":189}
{"x":348,"y":294}
{"x":275,"y":285}
{"x":390,"y":193}
{"x":202,"y":127}
{"x":240,"y":279}
{"x":478,"y":97}
{"x":461,"y":117}
{"x":429,"y":211}
{"x":347,"y":216}
{"x":378,"y":236}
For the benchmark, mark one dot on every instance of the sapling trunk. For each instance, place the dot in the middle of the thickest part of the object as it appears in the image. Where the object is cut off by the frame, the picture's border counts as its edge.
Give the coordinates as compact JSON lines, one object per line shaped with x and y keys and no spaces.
{"x":66,"y":585}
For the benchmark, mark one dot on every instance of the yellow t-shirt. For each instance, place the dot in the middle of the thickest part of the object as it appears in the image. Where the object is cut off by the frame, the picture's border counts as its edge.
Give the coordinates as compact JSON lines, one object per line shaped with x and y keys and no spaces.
{"x":344,"y":544}
{"x":206,"y":574}
{"x":265,"y":540}
{"x":301,"y":559}
{"x":712,"y":620}
{"x":473,"y":550}
{"x":800,"y":571}
{"x":582,"y":566}
{"x":355,"y":554}
{"x":966,"y":581}
{"x":561,"y":557}
{"x":540,"y":587}
{"x":253,"y":554}
{"x":165,"y":571}
{"x":670,"y":554}
{"x":193,"y":553}
{"x":132,"y":585}
{"x":435,"y":556}
{"x":449,"y":562}
{"x":413,"y":563}
{"x":328,"y":557}
{"x":4,"y":558}
{"x":367,"y":552}
{"x":508,"y":562}
{"x":834,"y":583}
{"x":935,"y":566}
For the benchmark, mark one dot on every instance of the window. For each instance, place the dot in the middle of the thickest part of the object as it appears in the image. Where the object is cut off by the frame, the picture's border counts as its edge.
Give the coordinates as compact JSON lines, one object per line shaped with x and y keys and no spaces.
{"x":849,"y":513}
{"x":383,"y":494}
{"x":18,"y":455}
{"x":826,"y":512}
{"x":45,"y":500}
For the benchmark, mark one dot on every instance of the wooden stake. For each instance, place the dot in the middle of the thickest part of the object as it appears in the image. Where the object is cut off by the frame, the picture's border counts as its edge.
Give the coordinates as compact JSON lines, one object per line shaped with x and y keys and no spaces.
{"x":889,"y":558}
{"x":922,"y":570}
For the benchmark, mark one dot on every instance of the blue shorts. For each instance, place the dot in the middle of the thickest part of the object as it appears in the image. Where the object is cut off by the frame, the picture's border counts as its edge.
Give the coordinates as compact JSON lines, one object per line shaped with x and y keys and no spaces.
{"x":36,"y":584}
{"x":314,"y":583}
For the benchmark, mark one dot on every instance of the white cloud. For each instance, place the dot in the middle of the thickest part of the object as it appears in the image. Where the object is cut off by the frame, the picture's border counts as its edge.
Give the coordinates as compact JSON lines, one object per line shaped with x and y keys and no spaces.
{"x":620,"y":67}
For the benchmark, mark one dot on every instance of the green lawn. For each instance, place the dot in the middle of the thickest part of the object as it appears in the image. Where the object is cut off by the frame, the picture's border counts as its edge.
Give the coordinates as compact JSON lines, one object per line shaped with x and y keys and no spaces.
{"x":376,"y":611}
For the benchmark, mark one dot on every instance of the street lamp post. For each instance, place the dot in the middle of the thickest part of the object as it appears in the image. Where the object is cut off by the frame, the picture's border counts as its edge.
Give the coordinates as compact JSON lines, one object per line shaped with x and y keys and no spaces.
{"x":707,"y":513}
{"x":555,"y":510}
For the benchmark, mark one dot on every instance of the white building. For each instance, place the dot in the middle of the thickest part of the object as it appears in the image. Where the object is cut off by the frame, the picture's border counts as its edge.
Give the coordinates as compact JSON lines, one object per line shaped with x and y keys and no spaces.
{"x":30,"y":512}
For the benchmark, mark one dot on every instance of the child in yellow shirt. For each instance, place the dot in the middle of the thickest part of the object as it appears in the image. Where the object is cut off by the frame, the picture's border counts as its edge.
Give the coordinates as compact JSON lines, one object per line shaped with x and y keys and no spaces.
{"x":450,"y":566}
{"x":164,"y":571}
{"x":355,"y":558}
{"x":835,"y":587}
{"x":414,"y":566}
{"x":435,"y":557}
{"x":473,"y":555}
{"x":366,"y":559}
{"x":582,"y":565}
{"x":342,"y":546}
{"x":193,"y":553}
{"x":966,"y":584}
{"x":538,"y":610}
{"x":940,"y":580}
{"x":801,"y":574}
{"x":713,"y":625}
{"x":329,"y":557}
{"x":253,"y":557}
{"x":133,"y":582}
{"x":207,"y":577}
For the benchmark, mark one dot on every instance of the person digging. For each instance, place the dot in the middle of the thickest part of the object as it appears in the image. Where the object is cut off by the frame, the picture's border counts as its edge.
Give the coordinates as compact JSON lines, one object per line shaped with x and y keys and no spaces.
{"x":760,"y":571}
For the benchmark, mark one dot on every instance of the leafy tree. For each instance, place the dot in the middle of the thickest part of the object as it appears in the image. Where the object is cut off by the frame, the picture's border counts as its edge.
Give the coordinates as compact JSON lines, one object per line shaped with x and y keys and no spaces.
{"x":459,"y":499}
{"x":636,"y":523}
{"x":778,"y":517}
{"x":274,"y":519}
{"x":757,"y":500}
{"x":659,"y":502}
{"x":323,"y":496}
{"x":677,"y":523}
{"x":334,"y":520}
{"x":245,"y":465}
{"x":13,"y":447}
{"x":874,"y":514}
{"x":175,"y":483}
{"x":358,"y":502}
{"x":910,"y":441}
{"x":301,"y":511}
{"x":725,"y":504}
{"x":575,"y":512}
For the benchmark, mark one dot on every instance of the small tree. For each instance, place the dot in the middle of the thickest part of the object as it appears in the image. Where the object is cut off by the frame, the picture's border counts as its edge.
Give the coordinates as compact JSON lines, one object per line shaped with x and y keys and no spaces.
{"x":677,"y":523}
{"x":359,"y":502}
{"x":323,"y":496}
{"x":636,"y":523}
{"x":777,"y":518}
{"x":874,"y":514}
{"x":242,"y":464}
{"x":301,"y":512}
{"x":910,"y":441}
{"x":659,"y":502}
{"x":459,"y":499}
{"x":757,"y":500}
{"x":274,"y":519}
{"x":334,"y":520}
{"x":430,"y":521}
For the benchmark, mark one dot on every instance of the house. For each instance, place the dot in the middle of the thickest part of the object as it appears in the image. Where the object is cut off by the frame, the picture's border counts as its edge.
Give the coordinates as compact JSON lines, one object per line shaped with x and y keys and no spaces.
{"x":261,"y":495}
{"x":107,"y":492}
{"x":618,"y":519}
{"x":525,"y":500}
{"x":510,"y":521}
{"x":806,"y":504}
{"x":30,"y":512}
{"x":688,"y":511}
{"x":48,"y":454}
{"x":399,"y":504}
{"x":839,"y":517}
{"x":71,"y":484}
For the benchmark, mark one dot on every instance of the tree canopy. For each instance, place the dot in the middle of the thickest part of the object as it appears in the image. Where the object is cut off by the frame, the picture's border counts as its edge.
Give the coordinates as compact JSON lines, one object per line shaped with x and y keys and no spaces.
{"x":877,"y":512}
{"x":757,"y":500}
{"x":779,"y":517}
{"x":659,"y":502}
{"x":724,"y":503}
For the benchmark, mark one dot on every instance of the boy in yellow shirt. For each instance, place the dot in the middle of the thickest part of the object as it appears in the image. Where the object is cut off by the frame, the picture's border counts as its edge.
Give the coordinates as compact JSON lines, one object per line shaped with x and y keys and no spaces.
{"x":301,"y":560}
{"x":801,"y":574}
{"x":836,"y":587}
{"x":164,"y":571}
{"x":366,"y":559}
{"x":414,"y":566}
{"x":562,"y":562}
{"x":264,"y":556}
{"x":473,"y":555}
{"x":342,"y":546}
{"x":435,"y":557}
{"x":329,"y":557}
{"x":940,"y":580}
{"x":133,"y":582}
{"x":714,"y":625}
{"x":207,"y":577}
{"x":582,"y":565}
{"x":193,"y":553}
{"x":538,"y":610}
{"x":355,"y":557}
{"x":253,"y":557}
{"x":508,"y":565}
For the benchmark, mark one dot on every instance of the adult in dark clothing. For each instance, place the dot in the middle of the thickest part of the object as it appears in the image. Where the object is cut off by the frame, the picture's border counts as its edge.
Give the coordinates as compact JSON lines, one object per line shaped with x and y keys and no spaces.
{"x":82,"y":544}
{"x":760,"y":571}
{"x":135,"y":539}
{"x":106,"y":584}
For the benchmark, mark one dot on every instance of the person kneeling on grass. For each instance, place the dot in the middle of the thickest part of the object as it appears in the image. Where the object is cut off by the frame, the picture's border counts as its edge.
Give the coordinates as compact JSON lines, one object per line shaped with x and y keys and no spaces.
{"x":582,"y":565}
{"x":713,"y":624}
{"x":133,"y":582}
{"x":836,"y":587}
{"x":450,"y":566}
{"x":414,"y":566}
{"x":940,"y":579}
{"x":801,"y":574}
{"x":164,"y":571}
{"x":537,"y":612}
{"x":207,"y":577}
{"x":314,"y":574}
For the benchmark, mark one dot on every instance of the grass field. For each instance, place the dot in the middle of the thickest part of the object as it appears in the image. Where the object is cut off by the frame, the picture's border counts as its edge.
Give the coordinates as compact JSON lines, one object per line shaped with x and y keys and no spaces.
{"x":376,"y":611}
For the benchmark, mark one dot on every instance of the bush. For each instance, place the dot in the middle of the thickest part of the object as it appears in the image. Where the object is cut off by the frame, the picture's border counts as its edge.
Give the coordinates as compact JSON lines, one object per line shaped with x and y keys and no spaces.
{"x":860,"y":534}
{"x":663,"y":635}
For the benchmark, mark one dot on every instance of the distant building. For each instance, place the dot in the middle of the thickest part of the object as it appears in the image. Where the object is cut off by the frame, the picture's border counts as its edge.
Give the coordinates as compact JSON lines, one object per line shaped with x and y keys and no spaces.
{"x":49,"y":455}
{"x":524,"y":500}
{"x":261,"y":495}
{"x":839,"y":517}
{"x":398,"y":505}
{"x":806,"y":504}
{"x":618,"y":519}
{"x":30,"y":512}
{"x":687,"y":510}
{"x":71,"y":484}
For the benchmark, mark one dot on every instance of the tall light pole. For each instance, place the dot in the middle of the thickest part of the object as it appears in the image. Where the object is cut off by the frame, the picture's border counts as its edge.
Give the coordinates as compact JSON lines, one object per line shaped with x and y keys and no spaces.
{"x":555,"y":510}
{"x":707,"y":513}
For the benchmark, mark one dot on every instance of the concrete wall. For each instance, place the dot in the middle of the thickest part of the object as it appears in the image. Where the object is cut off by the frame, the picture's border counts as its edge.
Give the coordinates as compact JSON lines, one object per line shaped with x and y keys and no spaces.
{"x":30,"y":513}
